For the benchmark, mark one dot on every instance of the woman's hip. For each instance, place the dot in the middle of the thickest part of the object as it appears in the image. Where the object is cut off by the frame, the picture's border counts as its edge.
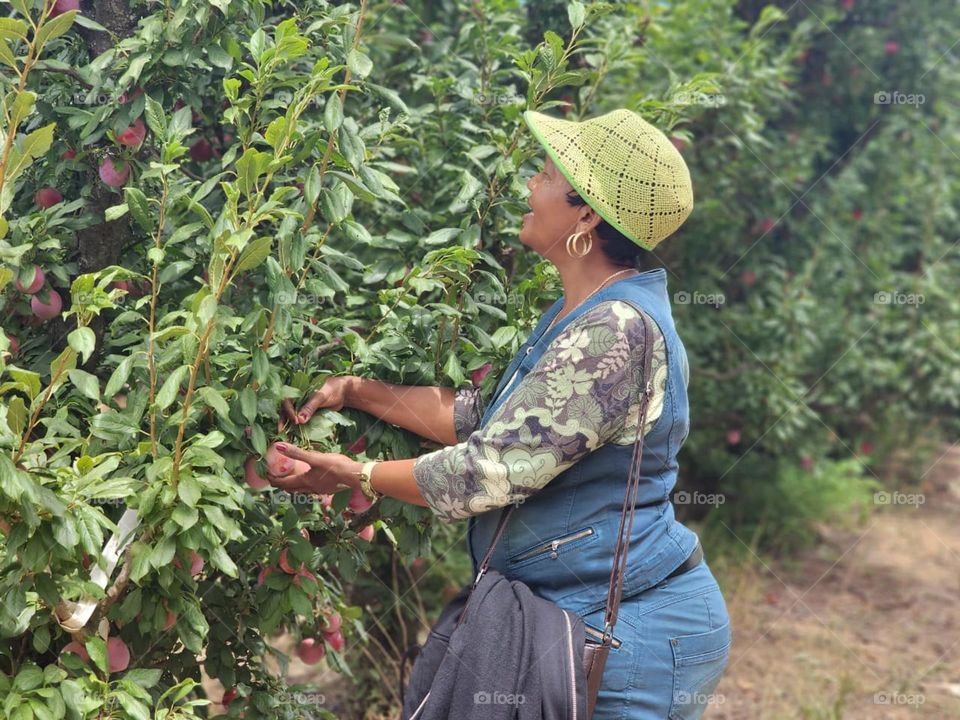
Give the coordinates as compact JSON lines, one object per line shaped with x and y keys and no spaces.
{"x":674,"y":646}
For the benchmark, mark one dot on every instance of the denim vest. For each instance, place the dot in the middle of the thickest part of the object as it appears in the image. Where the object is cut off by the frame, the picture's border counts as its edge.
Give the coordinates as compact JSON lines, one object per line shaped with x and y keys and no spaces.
{"x":560,"y":541}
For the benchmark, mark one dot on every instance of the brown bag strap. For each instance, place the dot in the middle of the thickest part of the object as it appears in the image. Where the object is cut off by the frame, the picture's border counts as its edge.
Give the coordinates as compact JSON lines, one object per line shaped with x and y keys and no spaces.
{"x":615,"y":589}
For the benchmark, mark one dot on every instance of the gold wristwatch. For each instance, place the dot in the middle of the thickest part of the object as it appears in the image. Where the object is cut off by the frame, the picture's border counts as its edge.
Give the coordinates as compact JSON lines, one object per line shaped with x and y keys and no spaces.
{"x":365,"y":487}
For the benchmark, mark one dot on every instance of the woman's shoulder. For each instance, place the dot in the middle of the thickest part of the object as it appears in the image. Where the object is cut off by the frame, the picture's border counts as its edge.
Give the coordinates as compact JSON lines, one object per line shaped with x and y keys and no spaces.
{"x":614,"y":315}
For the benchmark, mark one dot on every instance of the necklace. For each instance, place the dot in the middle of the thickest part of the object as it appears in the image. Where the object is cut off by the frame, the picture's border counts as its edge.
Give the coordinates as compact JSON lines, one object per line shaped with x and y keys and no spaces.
{"x":557,"y":316}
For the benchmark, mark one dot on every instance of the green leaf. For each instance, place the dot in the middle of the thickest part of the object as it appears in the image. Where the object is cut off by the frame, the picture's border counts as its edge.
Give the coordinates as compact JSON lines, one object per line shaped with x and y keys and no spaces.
{"x":119,"y":377}
{"x":54,"y":28}
{"x":276,"y":131}
{"x":97,"y":648}
{"x":442,"y":236}
{"x":163,"y":552}
{"x":576,"y":13}
{"x":333,"y":113}
{"x":221,"y":560}
{"x":133,"y":707}
{"x":359,"y":64}
{"x":254,"y":255}
{"x":185,"y":516}
{"x":86,"y":383}
{"x":139,"y":208}
{"x":29,"y":378}
{"x":469,"y":187}
{"x":356,"y":232}
{"x":189,"y":490}
{"x":29,"y":677}
{"x":156,"y":120}
{"x":171,"y":386}
{"x":250,"y":167}
{"x":144,"y":677}
{"x":248,"y":404}
{"x":213,"y":398}
{"x":6,"y":55}
{"x":115,"y":212}
{"x":83,"y":340}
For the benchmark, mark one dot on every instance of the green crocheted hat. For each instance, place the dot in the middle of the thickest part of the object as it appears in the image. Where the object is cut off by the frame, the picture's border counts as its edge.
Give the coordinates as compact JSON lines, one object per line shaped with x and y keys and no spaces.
{"x":624,"y":168}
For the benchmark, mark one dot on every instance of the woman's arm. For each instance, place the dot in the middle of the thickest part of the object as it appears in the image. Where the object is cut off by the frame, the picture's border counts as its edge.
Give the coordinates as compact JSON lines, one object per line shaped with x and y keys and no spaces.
{"x":427,"y":411}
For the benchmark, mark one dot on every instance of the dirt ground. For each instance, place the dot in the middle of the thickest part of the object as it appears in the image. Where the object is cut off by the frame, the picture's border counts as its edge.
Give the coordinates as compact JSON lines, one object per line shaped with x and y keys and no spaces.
{"x":864,"y":627}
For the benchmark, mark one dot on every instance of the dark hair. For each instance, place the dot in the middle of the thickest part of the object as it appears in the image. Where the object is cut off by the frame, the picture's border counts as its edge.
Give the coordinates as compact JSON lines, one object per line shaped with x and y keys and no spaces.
{"x":620,"y":249}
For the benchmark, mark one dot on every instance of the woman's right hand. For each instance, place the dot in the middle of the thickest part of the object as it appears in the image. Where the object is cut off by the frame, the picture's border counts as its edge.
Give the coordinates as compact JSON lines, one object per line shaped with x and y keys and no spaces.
{"x":333,"y":395}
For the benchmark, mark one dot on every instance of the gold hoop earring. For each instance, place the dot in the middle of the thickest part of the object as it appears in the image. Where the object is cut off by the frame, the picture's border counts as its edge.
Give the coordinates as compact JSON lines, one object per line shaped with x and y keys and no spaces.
{"x":572,"y":240}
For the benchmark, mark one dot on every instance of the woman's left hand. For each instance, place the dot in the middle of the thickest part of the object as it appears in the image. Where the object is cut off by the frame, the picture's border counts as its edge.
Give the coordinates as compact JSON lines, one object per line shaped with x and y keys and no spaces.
{"x":329,"y":472}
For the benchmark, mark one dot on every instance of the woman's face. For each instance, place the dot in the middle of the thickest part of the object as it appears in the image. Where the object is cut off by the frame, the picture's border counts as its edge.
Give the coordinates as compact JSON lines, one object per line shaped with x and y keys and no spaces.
{"x":552,"y":219}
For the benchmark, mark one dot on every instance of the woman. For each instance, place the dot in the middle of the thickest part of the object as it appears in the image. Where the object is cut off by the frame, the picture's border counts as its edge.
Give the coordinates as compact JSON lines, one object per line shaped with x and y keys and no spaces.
{"x":558,"y":434}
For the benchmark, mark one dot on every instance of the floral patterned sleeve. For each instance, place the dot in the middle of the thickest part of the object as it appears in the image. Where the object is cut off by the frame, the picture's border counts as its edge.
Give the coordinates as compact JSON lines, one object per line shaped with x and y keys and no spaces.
{"x":468,"y":407}
{"x":583,"y":392}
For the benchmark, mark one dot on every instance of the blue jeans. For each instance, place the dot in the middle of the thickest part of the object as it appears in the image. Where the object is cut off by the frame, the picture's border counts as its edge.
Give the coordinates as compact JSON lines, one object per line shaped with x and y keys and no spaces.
{"x":675,"y":643}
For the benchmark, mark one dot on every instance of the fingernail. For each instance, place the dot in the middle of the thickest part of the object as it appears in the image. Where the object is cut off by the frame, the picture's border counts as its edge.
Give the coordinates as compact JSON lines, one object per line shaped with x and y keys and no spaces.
{"x":281,"y":447}
{"x":303,"y":417}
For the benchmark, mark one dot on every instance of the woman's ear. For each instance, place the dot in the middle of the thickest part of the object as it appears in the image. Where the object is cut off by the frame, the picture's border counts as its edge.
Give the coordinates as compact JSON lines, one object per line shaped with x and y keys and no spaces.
{"x":588,"y":219}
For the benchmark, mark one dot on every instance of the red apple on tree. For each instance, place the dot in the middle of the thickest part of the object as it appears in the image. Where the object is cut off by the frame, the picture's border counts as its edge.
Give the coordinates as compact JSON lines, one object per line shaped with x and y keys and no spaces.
{"x":124,"y":98}
{"x":480,"y":373}
{"x":69,"y":154}
{"x":62,"y":6}
{"x":891,"y":47}
{"x":331,"y":622}
{"x":264,"y":572}
{"x":366,"y":533}
{"x":49,"y":309}
{"x":311,"y":651}
{"x":358,"y":445}
{"x":285,"y":564}
{"x":118,"y":655}
{"x":35,"y":284}
{"x":47,"y":197}
{"x":358,"y":501}
{"x":280,"y":464}
{"x":251,"y":476}
{"x":114,"y":174}
{"x":229,"y":696}
{"x":14,"y":345}
{"x":335,"y":639}
{"x":733,"y":436}
{"x":201,"y":150}
{"x":134,"y":135}
{"x":76,"y":648}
